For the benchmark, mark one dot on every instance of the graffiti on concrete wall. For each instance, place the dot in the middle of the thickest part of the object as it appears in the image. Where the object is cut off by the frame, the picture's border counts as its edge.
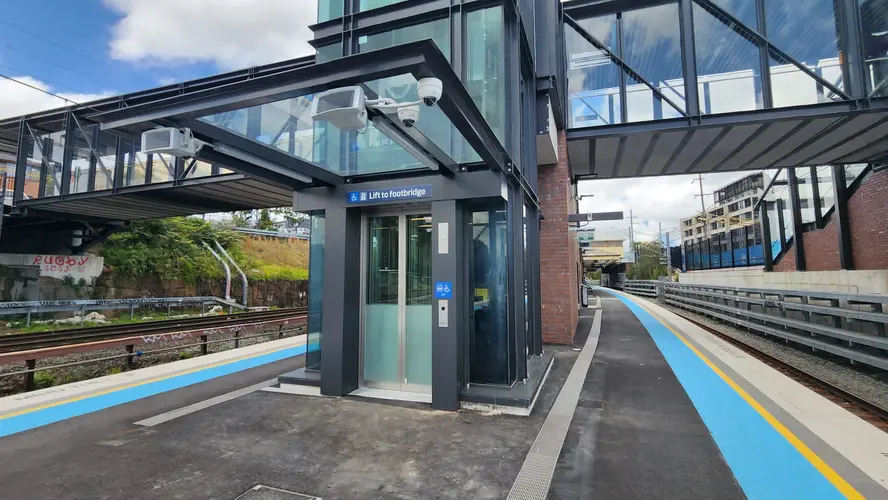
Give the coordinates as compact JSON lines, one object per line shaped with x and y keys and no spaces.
{"x":68,"y":265}
{"x":87,"y":267}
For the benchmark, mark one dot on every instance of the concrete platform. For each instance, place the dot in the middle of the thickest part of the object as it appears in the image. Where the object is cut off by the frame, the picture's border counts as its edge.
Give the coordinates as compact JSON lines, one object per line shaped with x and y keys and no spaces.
{"x":315,"y":446}
{"x":779,"y":438}
{"x":635,"y":433}
{"x":662,"y":410}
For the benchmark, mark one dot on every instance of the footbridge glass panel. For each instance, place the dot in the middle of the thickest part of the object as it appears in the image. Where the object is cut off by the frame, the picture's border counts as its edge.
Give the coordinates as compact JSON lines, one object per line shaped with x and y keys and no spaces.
{"x":288,"y":126}
{"x":775,"y":85}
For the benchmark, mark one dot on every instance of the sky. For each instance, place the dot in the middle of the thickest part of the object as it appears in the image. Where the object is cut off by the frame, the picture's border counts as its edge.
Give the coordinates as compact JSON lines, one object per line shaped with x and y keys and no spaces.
{"x":88,"y":49}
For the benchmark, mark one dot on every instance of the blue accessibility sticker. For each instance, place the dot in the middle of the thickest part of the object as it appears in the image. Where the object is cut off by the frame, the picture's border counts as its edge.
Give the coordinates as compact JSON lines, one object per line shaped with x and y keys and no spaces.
{"x":443,"y":290}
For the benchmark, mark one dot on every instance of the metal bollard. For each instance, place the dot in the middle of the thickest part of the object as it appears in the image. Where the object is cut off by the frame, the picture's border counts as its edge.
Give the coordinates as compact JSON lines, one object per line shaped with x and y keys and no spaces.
{"x":203,"y":344}
{"x":237,"y":338}
{"x":130,"y":360}
{"x":31,"y":364}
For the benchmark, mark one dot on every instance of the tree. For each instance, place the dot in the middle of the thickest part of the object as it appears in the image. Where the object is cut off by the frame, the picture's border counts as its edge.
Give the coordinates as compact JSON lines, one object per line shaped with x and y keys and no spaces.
{"x":649,"y":262}
{"x":169,"y":249}
{"x":265,"y":221}
{"x":289,"y":214}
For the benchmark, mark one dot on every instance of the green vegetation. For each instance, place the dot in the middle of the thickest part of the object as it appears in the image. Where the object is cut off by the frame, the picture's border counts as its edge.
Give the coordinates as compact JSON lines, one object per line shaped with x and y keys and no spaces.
{"x":19,"y":325}
{"x":43,"y":379}
{"x":649,"y":262}
{"x":168,"y":248}
{"x":173,"y":249}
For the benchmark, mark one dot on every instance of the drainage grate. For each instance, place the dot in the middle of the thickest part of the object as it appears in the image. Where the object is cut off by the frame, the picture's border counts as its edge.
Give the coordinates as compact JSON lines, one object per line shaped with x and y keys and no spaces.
{"x":536,"y":473}
{"x":262,"y":492}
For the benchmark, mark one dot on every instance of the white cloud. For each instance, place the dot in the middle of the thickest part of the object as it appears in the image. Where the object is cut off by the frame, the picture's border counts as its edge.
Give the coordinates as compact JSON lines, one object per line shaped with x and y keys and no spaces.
{"x":17,"y":99}
{"x":664,"y":200}
{"x":230,"y":33}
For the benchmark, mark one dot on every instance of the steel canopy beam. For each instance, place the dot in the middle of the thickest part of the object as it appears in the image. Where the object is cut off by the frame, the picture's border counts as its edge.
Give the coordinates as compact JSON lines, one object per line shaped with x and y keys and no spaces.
{"x":421,"y":59}
{"x":299,"y":166}
{"x":836,"y":109}
{"x":345,"y":71}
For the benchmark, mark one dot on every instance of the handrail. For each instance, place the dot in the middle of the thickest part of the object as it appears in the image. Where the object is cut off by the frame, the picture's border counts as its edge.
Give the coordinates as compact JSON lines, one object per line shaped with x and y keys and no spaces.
{"x":849,"y":325}
{"x":38,"y":306}
{"x":233,"y":263}
{"x":227,"y":270}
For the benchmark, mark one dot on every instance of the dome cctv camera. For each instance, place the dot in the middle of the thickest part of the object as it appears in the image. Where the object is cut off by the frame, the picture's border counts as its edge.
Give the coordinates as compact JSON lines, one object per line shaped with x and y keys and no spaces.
{"x":430,"y":90}
{"x":408,"y":115}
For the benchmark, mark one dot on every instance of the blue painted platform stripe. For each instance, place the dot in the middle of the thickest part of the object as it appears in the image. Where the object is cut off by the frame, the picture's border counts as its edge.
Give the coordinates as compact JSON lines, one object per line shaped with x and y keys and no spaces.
{"x":765,"y":464}
{"x":64,"y":411}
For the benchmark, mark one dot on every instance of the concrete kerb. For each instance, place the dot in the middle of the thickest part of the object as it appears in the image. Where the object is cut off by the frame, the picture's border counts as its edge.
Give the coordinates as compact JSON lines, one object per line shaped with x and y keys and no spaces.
{"x":535,"y":477}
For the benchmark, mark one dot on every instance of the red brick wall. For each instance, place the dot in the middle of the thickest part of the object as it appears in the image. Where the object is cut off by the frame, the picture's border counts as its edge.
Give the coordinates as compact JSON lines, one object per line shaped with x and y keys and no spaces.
{"x":868,"y":218}
{"x":787,"y":262}
{"x":559,"y":251}
{"x":822,"y":248}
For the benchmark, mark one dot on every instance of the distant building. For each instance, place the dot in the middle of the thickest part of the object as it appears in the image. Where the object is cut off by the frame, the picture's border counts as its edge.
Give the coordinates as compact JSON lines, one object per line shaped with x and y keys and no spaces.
{"x":730,"y":224}
{"x":601,"y":253}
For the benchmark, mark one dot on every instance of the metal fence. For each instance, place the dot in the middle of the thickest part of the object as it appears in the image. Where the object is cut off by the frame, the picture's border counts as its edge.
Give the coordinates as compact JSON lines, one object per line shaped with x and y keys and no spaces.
{"x":852,"y":326}
{"x":28,"y":308}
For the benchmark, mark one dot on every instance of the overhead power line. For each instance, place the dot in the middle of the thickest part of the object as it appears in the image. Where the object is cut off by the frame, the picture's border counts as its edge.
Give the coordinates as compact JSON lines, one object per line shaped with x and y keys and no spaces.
{"x":51,"y":42}
{"x":34,"y":87}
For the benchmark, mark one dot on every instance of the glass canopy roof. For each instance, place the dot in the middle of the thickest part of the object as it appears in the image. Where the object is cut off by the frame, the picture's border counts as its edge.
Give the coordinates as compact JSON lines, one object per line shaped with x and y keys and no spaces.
{"x":384,"y":146}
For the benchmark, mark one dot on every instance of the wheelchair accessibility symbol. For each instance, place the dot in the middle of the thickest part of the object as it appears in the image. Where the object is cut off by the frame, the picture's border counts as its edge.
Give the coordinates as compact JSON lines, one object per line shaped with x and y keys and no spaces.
{"x":443,"y":290}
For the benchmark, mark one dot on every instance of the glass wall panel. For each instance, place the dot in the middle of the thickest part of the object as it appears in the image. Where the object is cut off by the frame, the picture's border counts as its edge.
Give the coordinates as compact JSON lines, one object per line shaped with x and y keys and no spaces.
{"x":382,"y":351}
{"x":162,"y":168}
{"x":418,"y":313}
{"x":106,"y":147}
{"x":806,"y":194}
{"x":874,"y":21}
{"x":743,"y":10}
{"x":825,"y":189}
{"x":375,"y":4}
{"x":652,"y":47}
{"x":486,"y":66}
{"x":50,"y":151}
{"x":377,"y":152}
{"x":438,"y":31}
{"x":489,"y":344}
{"x":315,"y":291}
{"x":199,"y":169}
{"x":81,"y":159}
{"x":328,"y":52}
{"x":728,"y":66}
{"x":806,"y":31}
{"x":593,"y":79}
{"x":852,"y":172}
{"x":135,"y":163}
{"x":329,"y":9}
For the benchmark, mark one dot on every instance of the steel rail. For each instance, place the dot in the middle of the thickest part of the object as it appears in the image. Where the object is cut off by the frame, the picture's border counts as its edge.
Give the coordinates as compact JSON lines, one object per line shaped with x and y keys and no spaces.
{"x":797,"y":373}
{"x":27,"y":341}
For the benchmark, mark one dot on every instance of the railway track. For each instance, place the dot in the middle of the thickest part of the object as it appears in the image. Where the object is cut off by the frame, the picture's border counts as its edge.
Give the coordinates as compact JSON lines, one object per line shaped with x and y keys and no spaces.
{"x":26,"y":341}
{"x":858,"y":405}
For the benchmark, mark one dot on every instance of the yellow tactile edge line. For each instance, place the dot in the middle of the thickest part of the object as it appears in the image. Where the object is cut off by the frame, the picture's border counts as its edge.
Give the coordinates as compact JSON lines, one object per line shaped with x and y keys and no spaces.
{"x":831,"y":475}
{"x":141,"y":382}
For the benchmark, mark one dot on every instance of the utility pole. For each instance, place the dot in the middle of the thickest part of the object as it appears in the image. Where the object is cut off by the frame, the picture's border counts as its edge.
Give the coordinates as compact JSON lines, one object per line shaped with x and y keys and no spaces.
{"x":632,"y":235}
{"x":703,"y":217}
{"x":668,"y":257}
